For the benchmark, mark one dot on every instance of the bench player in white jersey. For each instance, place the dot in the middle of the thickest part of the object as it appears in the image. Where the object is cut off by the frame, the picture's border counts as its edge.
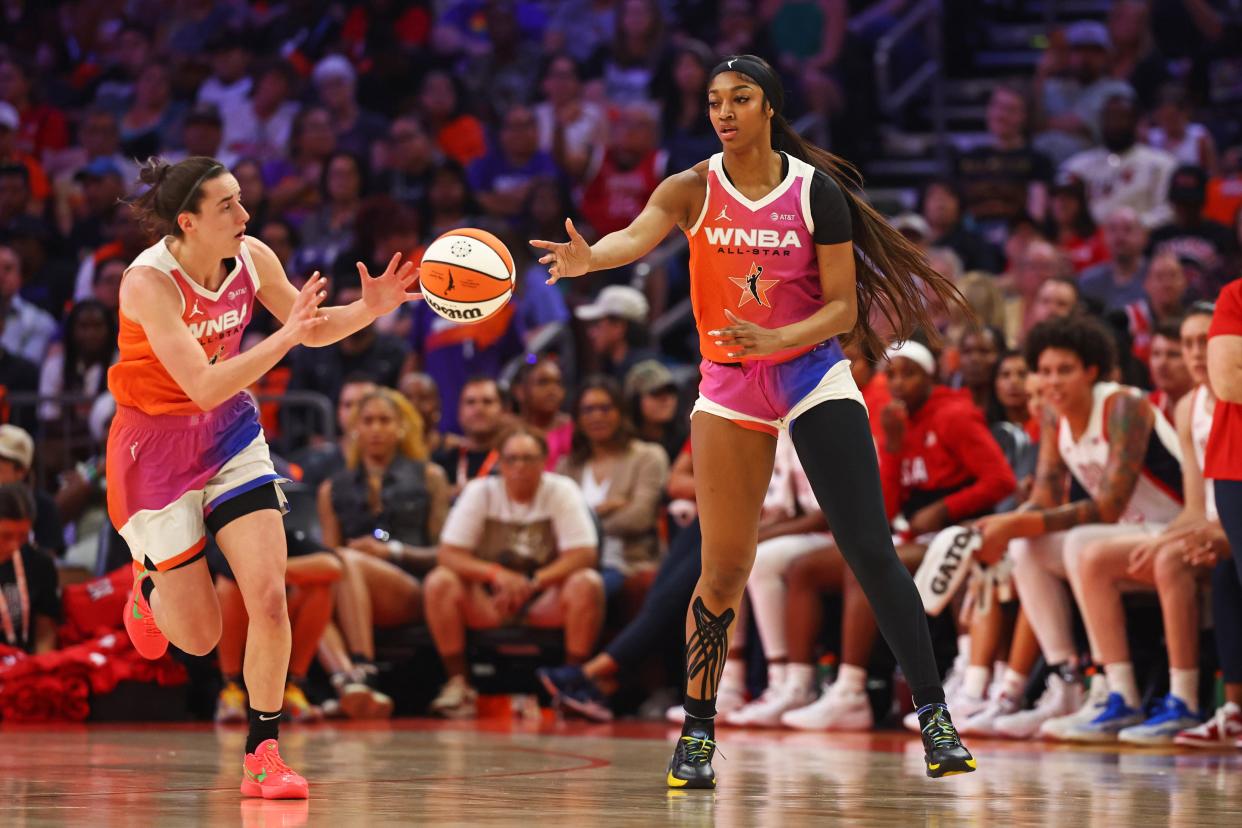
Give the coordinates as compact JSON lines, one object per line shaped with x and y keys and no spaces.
{"x":1125,"y":460}
{"x":1107,"y":567}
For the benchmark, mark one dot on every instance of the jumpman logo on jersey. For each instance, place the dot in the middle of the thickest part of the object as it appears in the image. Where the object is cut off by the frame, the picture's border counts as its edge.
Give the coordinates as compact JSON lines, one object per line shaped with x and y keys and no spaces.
{"x":724,"y":214}
{"x":196,"y":311}
{"x":754,"y":288}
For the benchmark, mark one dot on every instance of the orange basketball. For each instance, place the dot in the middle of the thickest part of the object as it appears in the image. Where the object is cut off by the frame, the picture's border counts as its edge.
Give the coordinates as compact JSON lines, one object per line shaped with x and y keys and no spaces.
{"x":466,"y":275}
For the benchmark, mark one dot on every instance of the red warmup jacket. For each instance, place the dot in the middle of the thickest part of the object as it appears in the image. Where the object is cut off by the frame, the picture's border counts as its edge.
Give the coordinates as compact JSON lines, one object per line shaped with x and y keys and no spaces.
{"x":948,"y":453}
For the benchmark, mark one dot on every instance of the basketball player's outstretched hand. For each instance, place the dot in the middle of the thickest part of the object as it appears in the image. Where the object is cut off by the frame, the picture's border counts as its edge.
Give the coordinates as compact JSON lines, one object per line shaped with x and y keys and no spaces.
{"x":744,"y":338}
{"x":571,"y":258}
{"x":386,"y":292}
{"x":304,"y":318}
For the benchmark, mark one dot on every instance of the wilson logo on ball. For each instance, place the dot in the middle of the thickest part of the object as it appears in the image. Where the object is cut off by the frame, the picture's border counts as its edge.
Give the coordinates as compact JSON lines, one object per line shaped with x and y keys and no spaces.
{"x":467,"y":275}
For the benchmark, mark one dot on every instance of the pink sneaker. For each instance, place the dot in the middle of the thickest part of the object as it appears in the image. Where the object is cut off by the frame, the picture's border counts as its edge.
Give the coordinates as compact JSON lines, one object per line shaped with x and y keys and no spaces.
{"x":140,"y":621}
{"x":265,"y":774}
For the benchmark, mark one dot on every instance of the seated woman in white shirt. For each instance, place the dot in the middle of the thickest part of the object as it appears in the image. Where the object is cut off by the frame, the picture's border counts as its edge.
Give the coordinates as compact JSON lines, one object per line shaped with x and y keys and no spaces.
{"x":517,"y":550}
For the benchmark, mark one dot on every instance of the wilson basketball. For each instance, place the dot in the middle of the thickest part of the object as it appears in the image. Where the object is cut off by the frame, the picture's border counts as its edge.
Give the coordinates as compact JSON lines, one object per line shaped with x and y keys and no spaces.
{"x":466,"y":275}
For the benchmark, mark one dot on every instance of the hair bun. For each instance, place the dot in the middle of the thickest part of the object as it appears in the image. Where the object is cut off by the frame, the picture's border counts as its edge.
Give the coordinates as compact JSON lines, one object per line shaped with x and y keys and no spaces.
{"x":154,"y":171}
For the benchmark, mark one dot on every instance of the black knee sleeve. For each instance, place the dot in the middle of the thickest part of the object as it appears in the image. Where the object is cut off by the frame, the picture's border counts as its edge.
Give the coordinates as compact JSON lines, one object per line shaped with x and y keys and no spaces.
{"x":257,"y":499}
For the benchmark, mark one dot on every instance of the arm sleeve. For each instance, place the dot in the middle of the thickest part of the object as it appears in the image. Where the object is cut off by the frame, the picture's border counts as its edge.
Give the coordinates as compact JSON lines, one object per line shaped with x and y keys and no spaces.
{"x":830,"y":210}
{"x":642,"y":508}
{"x":890,"y":481}
{"x":464,"y":525}
{"x":571,"y":519}
{"x":968,"y":438}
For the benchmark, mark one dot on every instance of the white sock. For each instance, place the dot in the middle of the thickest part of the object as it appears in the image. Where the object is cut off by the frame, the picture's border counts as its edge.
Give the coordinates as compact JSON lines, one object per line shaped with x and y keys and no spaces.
{"x":1120,"y":677}
{"x":734,"y":678}
{"x":800,"y":677}
{"x":1185,"y":685}
{"x":976,"y":682}
{"x":1013,"y":684}
{"x":851,"y":679}
{"x":963,"y":648}
{"x":776,"y":674}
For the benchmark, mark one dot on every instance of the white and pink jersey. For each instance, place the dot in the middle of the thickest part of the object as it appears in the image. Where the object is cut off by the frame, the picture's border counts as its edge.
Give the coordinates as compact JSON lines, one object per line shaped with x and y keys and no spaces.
{"x":1201,"y":407}
{"x":216,"y":318}
{"x":754,"y":258}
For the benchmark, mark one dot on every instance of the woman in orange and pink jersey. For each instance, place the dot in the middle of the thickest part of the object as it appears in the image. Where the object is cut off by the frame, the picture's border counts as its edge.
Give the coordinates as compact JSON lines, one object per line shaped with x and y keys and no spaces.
{"x":784,"y":258}
{"x":186,"y":453}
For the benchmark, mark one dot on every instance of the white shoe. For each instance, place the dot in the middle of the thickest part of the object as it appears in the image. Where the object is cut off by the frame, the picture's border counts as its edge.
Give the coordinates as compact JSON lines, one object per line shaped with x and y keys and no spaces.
{"x":729,"y":700}
{"x":837,"y":709}
{"x":766,"y":710}
{"x":1092,"y":706}
{"x":953,"y":679}
{"x":1060,"y":698}
{"x":983,"y":723}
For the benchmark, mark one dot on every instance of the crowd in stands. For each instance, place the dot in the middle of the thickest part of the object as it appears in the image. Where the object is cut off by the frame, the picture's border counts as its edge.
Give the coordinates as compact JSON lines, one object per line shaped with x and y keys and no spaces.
{"x":534,"y":470}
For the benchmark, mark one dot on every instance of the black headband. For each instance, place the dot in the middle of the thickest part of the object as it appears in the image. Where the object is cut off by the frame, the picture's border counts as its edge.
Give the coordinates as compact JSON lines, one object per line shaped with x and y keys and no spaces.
{"x":752,"y":67}
{"x":185,"y":201}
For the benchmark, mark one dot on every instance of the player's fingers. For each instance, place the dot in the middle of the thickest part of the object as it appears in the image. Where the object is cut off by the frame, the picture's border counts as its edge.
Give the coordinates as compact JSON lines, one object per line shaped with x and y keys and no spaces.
{"x":363,"y":272}
{"x":394,"y":262}
{"x":551,"y":257}
{"x":407,"y":275}
{"x":413,"y":297}
{"x":574,"y":235}
{"x":542,"y":245}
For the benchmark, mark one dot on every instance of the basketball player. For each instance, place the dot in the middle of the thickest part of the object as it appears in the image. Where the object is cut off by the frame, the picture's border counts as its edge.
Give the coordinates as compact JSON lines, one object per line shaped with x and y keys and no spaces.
{"x":784,"y":258}
{"x":186,"y":452}
{"x":1126,"y":460}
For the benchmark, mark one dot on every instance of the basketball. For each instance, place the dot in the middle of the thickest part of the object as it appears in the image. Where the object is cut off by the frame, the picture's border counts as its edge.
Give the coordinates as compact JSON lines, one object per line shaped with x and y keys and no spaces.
{"x":466,"y":275}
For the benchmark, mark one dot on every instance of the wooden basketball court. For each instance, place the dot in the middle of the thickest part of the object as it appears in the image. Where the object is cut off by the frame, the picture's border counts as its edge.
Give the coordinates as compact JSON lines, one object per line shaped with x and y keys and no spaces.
{"x":570,"y":774}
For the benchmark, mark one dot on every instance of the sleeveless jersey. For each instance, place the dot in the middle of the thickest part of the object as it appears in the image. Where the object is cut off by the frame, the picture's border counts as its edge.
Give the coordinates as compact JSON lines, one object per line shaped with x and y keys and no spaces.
{"x":215,"y":318}
{"x":756,"y":258}
{"x":1200,"y":428}
{"x":1157,"y":495}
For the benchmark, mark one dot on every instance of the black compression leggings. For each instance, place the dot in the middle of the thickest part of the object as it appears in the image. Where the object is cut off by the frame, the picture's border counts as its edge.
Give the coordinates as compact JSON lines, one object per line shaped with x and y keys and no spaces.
{"x":834,"y":443}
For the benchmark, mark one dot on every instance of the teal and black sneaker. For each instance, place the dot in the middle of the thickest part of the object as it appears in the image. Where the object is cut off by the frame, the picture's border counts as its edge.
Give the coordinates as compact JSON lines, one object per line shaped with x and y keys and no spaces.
{"x":691,"y":765}
{"x":943,"y":750}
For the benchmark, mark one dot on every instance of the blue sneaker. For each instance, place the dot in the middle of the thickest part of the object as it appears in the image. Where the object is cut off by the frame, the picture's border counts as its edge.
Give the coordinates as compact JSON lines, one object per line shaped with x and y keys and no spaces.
{"x":1172,"y":716}
{"x":571,"y":690}
{"x":1115,"y":717}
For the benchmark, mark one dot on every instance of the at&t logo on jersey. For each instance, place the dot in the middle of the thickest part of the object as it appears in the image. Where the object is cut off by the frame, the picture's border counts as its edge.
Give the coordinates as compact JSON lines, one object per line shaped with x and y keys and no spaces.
{"x":227,"y":321}
{"x":753,"y":242}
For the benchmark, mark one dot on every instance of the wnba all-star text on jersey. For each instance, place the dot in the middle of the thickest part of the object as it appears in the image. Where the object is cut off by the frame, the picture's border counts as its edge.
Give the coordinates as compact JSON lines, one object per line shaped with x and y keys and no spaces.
{"x":757,"y":242}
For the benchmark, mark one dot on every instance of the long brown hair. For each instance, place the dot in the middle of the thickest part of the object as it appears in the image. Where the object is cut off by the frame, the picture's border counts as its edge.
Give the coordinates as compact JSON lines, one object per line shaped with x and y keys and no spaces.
{"x":580,"y":450}
{"x":173,"y":189}
{"x":891,"y":272}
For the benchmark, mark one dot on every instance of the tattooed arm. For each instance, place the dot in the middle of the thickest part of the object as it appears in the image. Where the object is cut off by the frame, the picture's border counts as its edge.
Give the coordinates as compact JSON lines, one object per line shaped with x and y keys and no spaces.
{"x":1051,"y":474}
{"x":1130,"y":423}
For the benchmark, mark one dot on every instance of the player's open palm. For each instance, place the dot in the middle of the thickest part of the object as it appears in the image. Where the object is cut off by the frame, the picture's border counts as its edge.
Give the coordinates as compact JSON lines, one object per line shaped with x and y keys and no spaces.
{"x":386,"y":292}
{"x":304,"y":319}
{"x":565,"y":259}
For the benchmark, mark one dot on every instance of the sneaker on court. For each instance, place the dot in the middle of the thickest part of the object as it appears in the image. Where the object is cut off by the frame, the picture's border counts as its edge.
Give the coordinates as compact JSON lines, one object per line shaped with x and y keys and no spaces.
{"x":572,"y":690}
{"x":457,"y":700}
{"x":1171,"y":717}
{"x":1224,"y":729}
{"x":983,"y":722}
{"x":691,"y":765}
{"x":231,"y":704}
{"x":354,"y":698}
{"x":265,"y":774}
{"x":140,"y":621}
{"x":297,"y":707}
{"x":943,"y":751}
{"x":766,"y":710}
{"x":1114,"y":718}
{"x":727,"y":701}
{"x":1060,"y":698}
{"x":1096,"y":701}
{"x":836,"y":709}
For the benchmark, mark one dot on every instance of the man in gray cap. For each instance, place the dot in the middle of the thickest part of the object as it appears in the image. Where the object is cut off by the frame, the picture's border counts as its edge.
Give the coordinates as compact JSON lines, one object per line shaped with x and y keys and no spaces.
{"x":1070,"y":94}
{"x":616,"y":327}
